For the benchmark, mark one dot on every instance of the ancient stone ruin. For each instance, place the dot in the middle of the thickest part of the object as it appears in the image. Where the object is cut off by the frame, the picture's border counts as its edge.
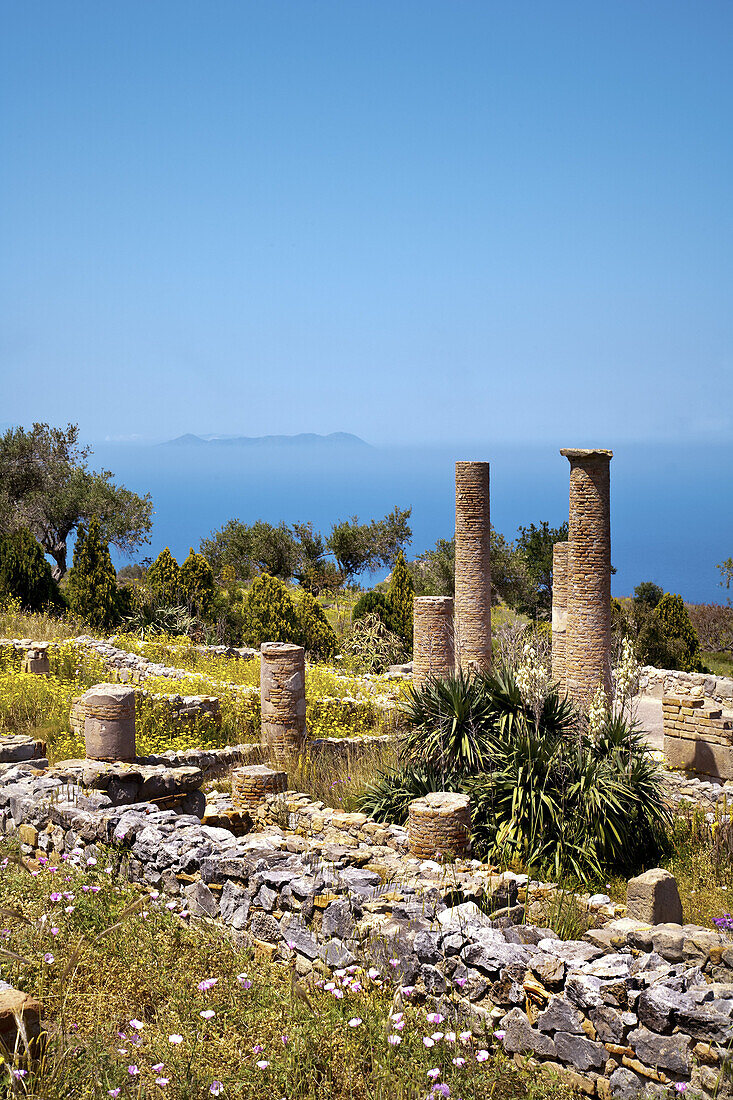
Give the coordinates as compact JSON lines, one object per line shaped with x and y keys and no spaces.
{"x":559,"y":609}
{"x":282,"y":696}
{"x":109,"y":722}
{"x":473,"y":567}
{"x":588,"y":634}
{"x":439,"y":826}
{"x":433,"y":639}
{"x":251,"y":784}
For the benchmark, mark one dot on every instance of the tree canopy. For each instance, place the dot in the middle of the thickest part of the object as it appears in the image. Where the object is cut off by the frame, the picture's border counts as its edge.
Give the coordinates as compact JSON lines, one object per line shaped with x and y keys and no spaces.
{"x":247,"y":550}
{"x":47,"y":486}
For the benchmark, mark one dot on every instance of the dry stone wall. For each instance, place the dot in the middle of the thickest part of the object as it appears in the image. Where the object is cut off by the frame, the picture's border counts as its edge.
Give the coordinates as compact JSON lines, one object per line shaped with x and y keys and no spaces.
{"x":629,"y":1010}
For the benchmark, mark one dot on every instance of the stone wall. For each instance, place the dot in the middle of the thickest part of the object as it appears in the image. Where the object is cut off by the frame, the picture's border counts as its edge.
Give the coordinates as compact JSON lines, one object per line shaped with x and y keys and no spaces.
{"x":669,"y":681}
{"x":697,"y":736}
{"x":628,"y":1007}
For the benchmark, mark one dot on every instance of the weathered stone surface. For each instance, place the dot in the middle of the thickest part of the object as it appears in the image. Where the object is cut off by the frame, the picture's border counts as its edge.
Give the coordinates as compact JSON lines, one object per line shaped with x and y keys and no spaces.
{"x":626,"y":1085}
{"x":338,"y":919}
{"x":560,"y":1015}
{"x":654,"y":898}
{"x":668,"y":1052}
{"x":521,"y":1038}
{"x":491,"y":955}
{"x":20,"y":1021}
{"x":200,"y":900}
{"x":580,"y":1052}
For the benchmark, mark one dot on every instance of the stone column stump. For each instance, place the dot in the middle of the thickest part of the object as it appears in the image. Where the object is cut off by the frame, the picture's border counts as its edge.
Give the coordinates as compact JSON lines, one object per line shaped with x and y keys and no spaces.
{"x":36,"y":660}
{"x":433,"y":644}
{"x":559,"y":610}
{"x":109,"y":722}
{"x":588,"y":635}
{"x":282,"y":695}
{"x":439,"y":826}
{"x":473,"y":567}
{"x":251,"y":784}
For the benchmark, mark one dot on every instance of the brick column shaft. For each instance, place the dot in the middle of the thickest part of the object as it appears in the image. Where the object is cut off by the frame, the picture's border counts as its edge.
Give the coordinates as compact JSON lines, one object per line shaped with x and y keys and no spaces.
{"x":588,"y":635}
{"x":433,"y":645}
{"x":559,"y":609}
{"x":473,"y":566}
{"x":282,"y":696}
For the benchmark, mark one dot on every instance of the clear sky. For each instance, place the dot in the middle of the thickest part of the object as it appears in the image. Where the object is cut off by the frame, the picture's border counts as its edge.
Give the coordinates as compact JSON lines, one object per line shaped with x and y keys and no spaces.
{"x":417,"y":221}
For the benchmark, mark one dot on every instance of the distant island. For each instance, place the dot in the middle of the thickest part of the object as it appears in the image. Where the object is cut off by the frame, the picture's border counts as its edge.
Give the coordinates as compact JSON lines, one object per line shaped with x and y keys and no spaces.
{"x":304,"y":439}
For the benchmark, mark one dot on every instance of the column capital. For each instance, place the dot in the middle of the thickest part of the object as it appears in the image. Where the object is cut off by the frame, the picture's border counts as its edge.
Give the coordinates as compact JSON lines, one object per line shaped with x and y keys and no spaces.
{"x":585,"y":452}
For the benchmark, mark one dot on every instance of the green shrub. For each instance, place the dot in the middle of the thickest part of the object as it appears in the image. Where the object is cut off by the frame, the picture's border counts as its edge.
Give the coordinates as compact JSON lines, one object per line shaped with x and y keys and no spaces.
{"x":163,"y":580}
{"x":316,"y":633}
{"x":371,"y":647}
{"x":196,"y":582}
{"x":666,"y":637}
{"x":92,"y":588}
{"x":678,"y":629}
{"x":24,"y":572}
{"x":400,"y":596}
{"x":374,"y":603}
{"x":542,"y":795}
{"x":269,"y":613}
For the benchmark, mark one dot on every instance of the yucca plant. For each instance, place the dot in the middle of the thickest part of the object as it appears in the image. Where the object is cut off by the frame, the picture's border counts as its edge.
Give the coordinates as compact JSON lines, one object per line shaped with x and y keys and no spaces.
{"x":388,"y":798}
{"x":543,"y":795}
{"x":449,"y":723}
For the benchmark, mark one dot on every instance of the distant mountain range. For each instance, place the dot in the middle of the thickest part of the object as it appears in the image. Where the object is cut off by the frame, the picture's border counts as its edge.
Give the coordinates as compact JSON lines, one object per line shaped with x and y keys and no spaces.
{"x":304,"y":439}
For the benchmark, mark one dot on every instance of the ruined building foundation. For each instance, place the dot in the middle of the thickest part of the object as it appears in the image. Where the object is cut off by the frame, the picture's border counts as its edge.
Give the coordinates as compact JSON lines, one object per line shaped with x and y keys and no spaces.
{"x":433,"y":642}
{"x":473,"y":567}
{"x":588,"y":634}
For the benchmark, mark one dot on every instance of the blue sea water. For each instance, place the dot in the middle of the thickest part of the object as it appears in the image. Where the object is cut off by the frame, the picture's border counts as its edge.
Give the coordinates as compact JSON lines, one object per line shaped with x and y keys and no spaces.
{"x":671,"y":505}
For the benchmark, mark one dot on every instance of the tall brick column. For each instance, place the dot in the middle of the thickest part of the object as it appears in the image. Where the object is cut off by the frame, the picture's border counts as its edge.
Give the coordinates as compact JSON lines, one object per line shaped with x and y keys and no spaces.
{"x":473,"y":567}
{"x":588,"y":635}
{"x":559,"y":609}
{"x":433,"y":645}
{"x":282,"y":696}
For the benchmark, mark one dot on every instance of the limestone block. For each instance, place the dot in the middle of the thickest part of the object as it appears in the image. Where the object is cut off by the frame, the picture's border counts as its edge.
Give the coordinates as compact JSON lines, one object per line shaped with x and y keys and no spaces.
{"x":20,"y":1021}
{"x":654,"y":898}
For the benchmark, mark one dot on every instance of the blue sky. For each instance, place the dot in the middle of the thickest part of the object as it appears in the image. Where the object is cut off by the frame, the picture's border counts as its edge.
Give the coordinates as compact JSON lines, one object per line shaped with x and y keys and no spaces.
{"x":420,"y":222}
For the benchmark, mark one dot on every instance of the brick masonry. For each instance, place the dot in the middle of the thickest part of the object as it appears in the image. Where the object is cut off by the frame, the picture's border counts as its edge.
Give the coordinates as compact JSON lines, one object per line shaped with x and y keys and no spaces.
{"x":473,"y":566}
{"x":588,"y":636}
{"x":559,"y":609}
{"x":433,"y":638}
{"x":697,"y":736}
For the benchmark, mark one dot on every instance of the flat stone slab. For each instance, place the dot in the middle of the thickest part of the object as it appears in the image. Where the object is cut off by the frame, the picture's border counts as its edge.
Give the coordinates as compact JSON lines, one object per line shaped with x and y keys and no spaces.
{"x":145,"y":781}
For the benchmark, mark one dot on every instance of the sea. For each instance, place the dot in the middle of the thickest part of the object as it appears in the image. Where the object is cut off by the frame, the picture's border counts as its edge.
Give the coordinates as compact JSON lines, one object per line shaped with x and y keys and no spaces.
{"x":671,"y":505}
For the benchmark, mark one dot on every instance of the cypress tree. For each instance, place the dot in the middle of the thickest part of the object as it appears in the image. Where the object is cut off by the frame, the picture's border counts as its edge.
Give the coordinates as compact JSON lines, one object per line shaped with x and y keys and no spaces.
{"x":316,"y":633}
{"x":24,"y":572}
{"x":401,"y":593}
{"x":92,"y":581}
{"x":678,"y":632}
{"x":197,"y":583}
{"x":269,"y":613}
{"x":163,"y":579}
